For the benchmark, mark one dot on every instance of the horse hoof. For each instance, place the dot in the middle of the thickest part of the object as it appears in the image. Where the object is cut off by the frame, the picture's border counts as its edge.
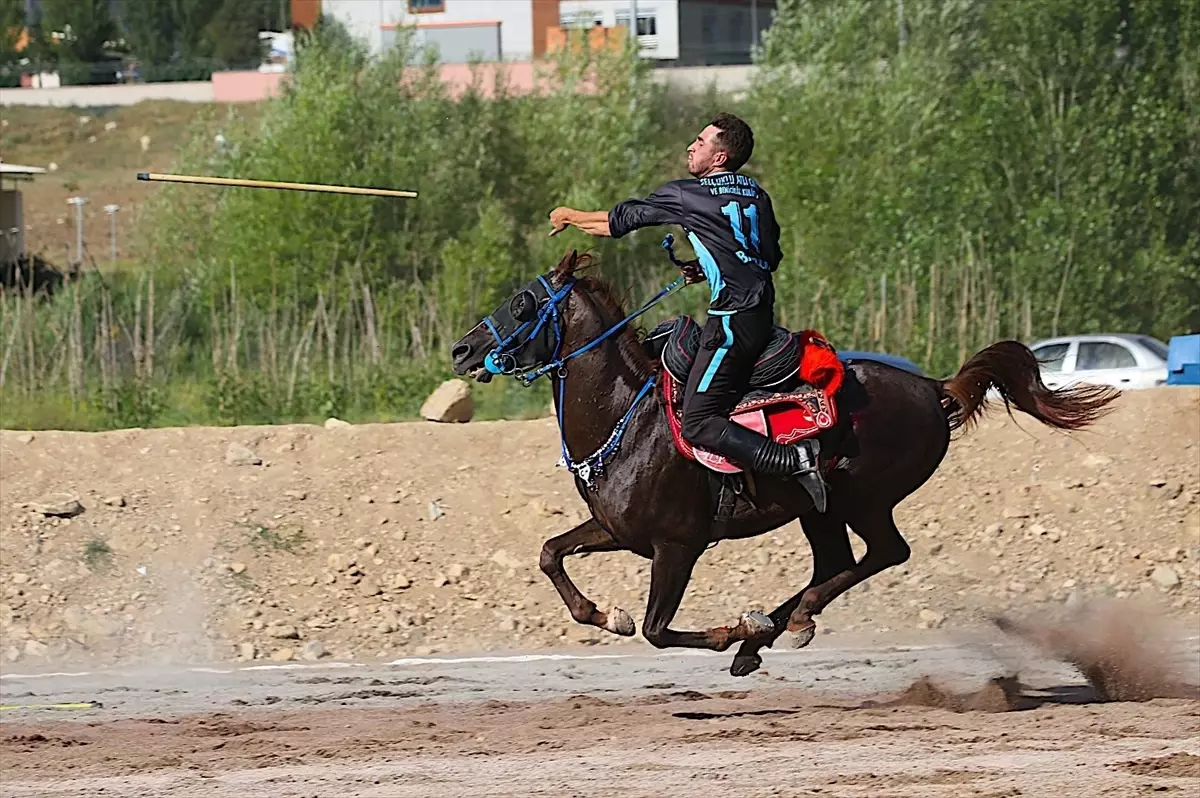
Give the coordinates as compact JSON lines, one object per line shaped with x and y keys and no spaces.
{"x":798,"y":638}
{"x":745,"y":664}
{"x":755,"y":624}
{"x":619,"y":622}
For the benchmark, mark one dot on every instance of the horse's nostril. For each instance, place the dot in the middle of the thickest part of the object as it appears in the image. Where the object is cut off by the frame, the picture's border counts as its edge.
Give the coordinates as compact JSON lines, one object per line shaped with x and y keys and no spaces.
{"x":461,"y":352}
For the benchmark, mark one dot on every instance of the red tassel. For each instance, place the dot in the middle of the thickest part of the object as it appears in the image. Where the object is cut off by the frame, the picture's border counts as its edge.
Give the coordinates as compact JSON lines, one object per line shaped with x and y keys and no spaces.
{"x":819,"y":363}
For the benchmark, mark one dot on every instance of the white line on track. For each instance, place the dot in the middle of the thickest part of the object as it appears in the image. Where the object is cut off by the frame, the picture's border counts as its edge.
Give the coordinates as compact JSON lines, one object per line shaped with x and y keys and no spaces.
{"x":411,"y":661}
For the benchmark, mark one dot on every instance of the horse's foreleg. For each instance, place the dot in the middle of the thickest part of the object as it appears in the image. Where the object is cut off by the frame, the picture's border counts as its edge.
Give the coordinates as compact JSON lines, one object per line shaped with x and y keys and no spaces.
{"x":670,"y":570}
{"x":588,"y":536}
{"x":830,"y":542}
{"x":886,"y":548}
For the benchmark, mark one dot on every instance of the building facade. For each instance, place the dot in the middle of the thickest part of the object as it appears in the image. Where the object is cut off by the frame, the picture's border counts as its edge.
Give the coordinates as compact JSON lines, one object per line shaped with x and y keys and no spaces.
{"x":670,"y":32}
{"x":461,"y":30}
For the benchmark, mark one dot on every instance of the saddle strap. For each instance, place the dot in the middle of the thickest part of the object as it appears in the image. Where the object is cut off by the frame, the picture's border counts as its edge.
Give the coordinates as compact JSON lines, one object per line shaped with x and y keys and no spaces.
{"x":727,"y":488}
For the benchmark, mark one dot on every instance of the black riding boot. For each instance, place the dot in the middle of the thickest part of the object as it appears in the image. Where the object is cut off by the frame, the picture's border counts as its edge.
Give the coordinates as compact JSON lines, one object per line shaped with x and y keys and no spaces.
{"x":761,"y":454}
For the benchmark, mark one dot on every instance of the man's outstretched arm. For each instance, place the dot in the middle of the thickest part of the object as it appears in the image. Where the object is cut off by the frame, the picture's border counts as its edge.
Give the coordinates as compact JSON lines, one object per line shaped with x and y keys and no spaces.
{"x":664,"y":206}
{"x":591,"y":222}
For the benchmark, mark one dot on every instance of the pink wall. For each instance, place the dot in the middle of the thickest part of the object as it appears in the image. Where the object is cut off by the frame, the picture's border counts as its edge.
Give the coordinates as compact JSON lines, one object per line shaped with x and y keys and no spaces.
{"x":241,"y":87}
{"x":519,"y":75}
{"x":245,"y":87}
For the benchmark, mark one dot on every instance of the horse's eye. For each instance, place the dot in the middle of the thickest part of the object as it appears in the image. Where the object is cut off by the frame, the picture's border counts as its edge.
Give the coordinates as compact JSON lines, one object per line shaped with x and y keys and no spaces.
{"x":524,"y":307}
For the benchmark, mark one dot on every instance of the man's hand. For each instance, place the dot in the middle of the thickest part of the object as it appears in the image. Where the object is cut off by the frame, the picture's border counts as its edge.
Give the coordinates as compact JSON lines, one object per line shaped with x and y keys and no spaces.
{"x":692,"y":272}
{"x":560,"y":217}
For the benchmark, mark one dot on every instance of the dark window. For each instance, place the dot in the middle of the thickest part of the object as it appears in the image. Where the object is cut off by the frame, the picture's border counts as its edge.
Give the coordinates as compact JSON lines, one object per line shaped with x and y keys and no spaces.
{"x":1103,"y":355}
{"x":426,"y":6}
{"x":647,"y":23}
{"x":737,"y":24}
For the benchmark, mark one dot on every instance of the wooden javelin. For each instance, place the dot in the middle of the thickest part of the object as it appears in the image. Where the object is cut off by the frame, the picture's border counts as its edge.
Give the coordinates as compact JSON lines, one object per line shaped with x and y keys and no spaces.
{"x":234,"y":181}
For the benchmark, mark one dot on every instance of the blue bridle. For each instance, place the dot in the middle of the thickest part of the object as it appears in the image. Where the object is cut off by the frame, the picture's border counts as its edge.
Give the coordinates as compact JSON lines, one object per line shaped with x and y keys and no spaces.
{"x":501,"y":360}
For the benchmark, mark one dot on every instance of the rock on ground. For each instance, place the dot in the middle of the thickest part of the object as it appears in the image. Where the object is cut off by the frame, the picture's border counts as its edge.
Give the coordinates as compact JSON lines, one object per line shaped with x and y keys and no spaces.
{"x":451,"y":402}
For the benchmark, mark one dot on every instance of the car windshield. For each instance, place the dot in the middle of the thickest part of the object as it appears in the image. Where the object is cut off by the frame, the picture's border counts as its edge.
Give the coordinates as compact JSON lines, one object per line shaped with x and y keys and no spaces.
{"x":1156,"y":346}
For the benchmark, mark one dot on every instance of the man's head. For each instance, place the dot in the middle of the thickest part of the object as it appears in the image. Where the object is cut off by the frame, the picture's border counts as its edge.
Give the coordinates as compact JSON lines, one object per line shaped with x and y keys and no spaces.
{"x":724,"y":146}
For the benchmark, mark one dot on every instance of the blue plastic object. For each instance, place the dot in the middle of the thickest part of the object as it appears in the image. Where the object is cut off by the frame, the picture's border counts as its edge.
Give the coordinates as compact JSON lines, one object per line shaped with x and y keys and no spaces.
{"x":847,"y":356}
{"x":1183,"y":360}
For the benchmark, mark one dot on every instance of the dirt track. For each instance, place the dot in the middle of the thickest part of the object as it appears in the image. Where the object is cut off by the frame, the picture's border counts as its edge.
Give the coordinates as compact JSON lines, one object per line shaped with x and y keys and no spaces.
{"x":828,"y":722}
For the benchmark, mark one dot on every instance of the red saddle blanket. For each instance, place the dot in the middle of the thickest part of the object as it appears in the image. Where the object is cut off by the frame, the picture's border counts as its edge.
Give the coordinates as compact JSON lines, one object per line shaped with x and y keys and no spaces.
{"x":787,"y":416}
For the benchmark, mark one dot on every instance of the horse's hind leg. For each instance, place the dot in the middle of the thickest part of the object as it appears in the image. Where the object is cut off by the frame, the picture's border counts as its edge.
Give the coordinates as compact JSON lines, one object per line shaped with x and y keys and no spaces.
{"x":886,"y":548}
{"x":830,"y":542}
{"x":588,"y":536}
{"x":670,"y":570}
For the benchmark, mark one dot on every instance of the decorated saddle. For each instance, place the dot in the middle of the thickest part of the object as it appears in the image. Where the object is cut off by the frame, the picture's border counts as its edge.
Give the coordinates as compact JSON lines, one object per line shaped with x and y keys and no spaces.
{"x":791,"y":394}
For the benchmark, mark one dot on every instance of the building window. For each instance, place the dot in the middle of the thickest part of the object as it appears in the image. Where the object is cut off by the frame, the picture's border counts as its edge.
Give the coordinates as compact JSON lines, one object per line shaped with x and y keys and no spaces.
{"x":579,"y":19}
{"x":426,"y":6}
{"x":647,"y":23}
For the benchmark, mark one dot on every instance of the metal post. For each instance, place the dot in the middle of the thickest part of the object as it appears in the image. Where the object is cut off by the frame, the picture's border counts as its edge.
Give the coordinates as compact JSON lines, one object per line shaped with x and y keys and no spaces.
{"x":111,"y":210}
{"x":633,"y":30}
{"x":753,"y":27}
{"x":78,"y":202}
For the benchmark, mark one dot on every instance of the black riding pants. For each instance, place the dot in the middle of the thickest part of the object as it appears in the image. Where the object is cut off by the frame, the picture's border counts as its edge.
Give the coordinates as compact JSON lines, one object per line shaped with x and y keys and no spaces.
{"x":729,"y":347}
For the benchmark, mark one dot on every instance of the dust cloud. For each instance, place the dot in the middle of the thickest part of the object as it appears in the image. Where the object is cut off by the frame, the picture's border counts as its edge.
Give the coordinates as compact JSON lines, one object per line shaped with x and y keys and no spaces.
{"x":1123,"y":649}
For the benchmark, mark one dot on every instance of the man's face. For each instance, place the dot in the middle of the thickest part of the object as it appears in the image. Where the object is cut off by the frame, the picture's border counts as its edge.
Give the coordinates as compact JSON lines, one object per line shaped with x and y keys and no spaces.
{"x":704,"y":154}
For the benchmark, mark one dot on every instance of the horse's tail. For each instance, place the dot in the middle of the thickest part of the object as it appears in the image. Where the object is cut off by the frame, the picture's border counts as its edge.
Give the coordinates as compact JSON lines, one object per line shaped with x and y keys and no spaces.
{"x":1012,"y":369}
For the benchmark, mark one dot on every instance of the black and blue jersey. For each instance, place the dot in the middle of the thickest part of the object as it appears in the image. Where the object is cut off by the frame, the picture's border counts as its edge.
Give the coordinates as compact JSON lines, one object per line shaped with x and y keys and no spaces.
{"x":730,"y":223}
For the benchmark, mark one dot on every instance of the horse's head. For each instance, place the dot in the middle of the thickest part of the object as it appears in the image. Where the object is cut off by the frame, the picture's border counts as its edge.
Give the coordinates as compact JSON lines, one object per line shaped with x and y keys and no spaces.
{"x":524,"y":332}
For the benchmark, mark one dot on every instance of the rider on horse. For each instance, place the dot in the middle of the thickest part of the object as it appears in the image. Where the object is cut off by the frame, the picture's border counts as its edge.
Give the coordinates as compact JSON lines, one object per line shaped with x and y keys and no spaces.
{"x":731,"y":225}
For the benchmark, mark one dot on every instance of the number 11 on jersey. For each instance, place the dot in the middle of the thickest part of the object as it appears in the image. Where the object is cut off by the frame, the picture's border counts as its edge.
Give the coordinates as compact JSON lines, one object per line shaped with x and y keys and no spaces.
{"x":733,"y":212}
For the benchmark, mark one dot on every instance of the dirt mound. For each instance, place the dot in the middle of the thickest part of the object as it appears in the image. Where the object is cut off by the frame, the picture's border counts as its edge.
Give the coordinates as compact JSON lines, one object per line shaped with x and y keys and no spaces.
{"x":1125,"y":652}
{"x":1179,"y":765}
{"x":389,"y":540}
{"x":1001,"y":694}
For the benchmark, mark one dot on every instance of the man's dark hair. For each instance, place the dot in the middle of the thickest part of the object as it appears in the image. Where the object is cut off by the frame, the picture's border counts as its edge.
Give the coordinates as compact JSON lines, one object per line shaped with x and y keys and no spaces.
{"x":736,"y":139}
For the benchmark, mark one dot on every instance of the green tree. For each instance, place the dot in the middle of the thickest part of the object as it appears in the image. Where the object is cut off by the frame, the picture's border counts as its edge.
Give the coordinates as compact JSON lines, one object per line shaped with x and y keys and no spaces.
{"x":1015,"y":168}
{"x":87,"y":26}
{"x":12,"y":26}
{"x":151,"y":29}
{"x":233,"y":32}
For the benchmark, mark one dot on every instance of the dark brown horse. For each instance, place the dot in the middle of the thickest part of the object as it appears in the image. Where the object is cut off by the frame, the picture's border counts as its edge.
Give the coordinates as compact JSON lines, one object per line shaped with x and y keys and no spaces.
{"x":656,"y":503}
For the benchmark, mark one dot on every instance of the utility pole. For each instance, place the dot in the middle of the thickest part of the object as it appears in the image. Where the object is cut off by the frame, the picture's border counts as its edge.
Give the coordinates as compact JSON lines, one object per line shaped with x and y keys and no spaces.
{"x":753,"y":27}
{"x":633,"y":31}
{"x":111,"y":210}
{"x":78,"y":202}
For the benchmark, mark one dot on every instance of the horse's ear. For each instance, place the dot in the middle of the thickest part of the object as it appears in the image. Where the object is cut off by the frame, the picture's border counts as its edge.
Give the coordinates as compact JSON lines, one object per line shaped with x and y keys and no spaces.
{"x":566,"y":266}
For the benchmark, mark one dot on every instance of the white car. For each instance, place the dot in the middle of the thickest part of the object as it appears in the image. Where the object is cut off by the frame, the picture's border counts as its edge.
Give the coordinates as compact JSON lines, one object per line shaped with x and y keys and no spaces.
{"x":1127,"y":362}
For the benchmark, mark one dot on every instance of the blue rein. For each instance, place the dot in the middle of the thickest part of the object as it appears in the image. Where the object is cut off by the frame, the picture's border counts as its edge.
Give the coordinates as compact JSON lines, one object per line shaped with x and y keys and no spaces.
{"x":501,"y":361}
{"x":558,"y":362}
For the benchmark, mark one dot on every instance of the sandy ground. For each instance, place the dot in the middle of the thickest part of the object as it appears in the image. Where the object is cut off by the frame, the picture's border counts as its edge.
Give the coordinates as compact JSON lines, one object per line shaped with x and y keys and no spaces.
{"x":929,"y":715}
{"x":383,"y":540}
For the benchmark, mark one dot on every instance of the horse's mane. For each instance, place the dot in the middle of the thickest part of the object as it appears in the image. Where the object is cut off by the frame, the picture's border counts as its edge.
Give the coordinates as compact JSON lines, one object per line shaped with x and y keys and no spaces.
{"x":604,"y":294}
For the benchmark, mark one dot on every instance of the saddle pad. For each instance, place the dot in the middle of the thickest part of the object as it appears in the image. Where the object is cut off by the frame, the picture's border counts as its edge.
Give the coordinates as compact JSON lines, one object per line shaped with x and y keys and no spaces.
{"x":786,"y":416}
